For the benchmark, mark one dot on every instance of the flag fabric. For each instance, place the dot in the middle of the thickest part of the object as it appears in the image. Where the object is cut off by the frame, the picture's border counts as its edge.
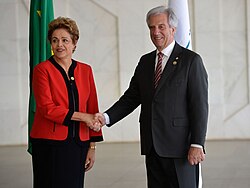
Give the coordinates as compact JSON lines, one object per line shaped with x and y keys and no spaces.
{"x":183,"y":34}
{"x":41,"y":13}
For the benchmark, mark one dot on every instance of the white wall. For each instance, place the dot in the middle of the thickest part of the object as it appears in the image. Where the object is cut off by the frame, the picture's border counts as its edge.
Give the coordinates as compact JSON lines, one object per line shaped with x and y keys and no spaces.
{"x":113,"y":36}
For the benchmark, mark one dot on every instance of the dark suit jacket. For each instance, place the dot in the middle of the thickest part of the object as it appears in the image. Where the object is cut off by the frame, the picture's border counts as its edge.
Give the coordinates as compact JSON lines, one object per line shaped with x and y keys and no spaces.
{"x":174,"y":115}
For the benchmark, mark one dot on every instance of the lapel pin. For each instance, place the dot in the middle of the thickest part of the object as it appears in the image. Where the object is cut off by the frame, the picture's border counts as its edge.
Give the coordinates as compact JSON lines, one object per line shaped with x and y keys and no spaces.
{"x":175,"y":62}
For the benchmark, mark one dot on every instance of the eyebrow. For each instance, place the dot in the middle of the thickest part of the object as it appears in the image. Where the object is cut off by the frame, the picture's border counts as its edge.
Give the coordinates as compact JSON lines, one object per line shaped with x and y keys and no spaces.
{"x":62,"y":37}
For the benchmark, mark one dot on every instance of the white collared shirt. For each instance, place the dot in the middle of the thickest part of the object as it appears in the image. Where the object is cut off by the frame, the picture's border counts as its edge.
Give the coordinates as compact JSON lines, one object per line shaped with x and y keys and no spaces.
{"x":166,"y":54}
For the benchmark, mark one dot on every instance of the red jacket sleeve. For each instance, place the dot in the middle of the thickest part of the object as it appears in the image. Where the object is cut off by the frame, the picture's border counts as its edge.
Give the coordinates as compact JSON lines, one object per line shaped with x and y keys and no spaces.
{"x":92,"y":104}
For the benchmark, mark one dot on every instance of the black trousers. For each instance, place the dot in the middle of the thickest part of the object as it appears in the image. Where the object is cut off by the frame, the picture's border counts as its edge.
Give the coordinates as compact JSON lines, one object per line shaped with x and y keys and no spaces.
{"x":165,"y":172}
{"x":58,"y":166}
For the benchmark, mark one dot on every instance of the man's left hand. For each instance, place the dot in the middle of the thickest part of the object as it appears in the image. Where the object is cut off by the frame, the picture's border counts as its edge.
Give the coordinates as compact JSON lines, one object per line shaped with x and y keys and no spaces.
{"x":195,"y":155}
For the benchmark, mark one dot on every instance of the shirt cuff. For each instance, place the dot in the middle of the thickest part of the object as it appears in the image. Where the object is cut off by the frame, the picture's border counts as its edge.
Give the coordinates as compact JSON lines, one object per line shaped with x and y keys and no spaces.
{"x":196,"y":146}
{"x":107,"y":120}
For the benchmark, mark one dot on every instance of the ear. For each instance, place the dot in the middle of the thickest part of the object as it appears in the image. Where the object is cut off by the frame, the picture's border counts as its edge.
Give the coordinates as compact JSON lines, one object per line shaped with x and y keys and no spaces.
{"x":173,"y":30}
{"x":74,"y":49}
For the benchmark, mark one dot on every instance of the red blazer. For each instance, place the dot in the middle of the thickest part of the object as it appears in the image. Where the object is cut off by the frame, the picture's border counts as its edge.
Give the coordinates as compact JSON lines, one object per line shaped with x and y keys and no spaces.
{"x":54,"y":108}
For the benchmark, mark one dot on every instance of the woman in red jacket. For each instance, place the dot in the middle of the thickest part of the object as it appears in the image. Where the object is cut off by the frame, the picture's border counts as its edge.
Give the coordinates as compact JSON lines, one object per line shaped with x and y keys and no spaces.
{"x":63,"y":145}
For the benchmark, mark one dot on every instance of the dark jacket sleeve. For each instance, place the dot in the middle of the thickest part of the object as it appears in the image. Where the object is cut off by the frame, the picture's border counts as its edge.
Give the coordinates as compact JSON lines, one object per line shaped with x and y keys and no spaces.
{"x":127,"y":103}
{"x":198,"y":100}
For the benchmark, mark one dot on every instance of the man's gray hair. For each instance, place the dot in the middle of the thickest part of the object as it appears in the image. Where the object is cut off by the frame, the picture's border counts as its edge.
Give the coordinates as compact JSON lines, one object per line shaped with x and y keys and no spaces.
{"x":169,"y":12}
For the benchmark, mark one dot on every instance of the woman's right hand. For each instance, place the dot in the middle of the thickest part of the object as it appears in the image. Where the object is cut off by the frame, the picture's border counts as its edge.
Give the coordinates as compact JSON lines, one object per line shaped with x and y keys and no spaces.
{"x":90,"y":119}
{"x":92,"y":122}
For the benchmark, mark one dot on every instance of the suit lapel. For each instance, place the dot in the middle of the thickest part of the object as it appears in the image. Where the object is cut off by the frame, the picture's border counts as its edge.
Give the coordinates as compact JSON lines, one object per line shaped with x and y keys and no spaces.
{"x":170,"y":66}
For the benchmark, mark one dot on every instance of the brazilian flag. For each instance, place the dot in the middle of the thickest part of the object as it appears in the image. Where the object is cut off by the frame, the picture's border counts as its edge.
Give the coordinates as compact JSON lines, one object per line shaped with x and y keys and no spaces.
{"x":41,"y":13}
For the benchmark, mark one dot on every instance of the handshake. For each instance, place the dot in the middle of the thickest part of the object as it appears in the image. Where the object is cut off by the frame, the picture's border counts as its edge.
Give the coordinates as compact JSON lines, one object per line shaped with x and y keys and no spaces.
{"x":95,"y":121}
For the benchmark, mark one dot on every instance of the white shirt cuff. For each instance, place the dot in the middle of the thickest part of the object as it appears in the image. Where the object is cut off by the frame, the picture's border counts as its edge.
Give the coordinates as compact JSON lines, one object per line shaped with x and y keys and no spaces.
{"x":107,"y":120}
{"x":196,"y":146}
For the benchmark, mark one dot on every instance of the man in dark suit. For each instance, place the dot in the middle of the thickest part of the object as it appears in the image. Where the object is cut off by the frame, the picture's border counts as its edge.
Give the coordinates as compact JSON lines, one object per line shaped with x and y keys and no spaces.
{"x":174,"y":106}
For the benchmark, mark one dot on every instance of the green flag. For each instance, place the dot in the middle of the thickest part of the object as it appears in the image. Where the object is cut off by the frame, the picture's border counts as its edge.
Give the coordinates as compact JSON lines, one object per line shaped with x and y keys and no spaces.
{"x":41,"y":13}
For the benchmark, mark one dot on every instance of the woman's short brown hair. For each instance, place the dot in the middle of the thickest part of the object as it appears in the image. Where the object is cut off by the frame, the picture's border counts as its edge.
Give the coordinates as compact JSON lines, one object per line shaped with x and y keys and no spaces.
{"x":64,"y":23}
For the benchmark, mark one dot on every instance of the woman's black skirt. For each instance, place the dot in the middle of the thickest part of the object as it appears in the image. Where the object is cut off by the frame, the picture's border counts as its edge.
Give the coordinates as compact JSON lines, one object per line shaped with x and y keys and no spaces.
{"x":59,"y":165}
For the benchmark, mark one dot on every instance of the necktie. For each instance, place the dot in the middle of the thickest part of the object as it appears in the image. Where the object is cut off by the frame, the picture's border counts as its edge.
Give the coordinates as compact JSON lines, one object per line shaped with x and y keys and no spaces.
{"x":158,"y":70}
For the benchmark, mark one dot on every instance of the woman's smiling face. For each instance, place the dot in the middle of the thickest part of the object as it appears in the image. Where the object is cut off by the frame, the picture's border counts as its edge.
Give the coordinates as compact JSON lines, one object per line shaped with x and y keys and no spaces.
{"x":62,"y":44}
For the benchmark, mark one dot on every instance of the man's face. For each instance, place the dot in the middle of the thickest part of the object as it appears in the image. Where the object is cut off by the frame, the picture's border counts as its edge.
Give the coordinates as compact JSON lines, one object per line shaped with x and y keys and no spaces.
{"x":161,"y":34}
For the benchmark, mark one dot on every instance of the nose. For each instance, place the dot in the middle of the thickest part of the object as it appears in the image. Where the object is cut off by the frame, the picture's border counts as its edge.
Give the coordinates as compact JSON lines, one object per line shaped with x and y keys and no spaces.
{"x":156,"y":31}
{"x":59,"y":43}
